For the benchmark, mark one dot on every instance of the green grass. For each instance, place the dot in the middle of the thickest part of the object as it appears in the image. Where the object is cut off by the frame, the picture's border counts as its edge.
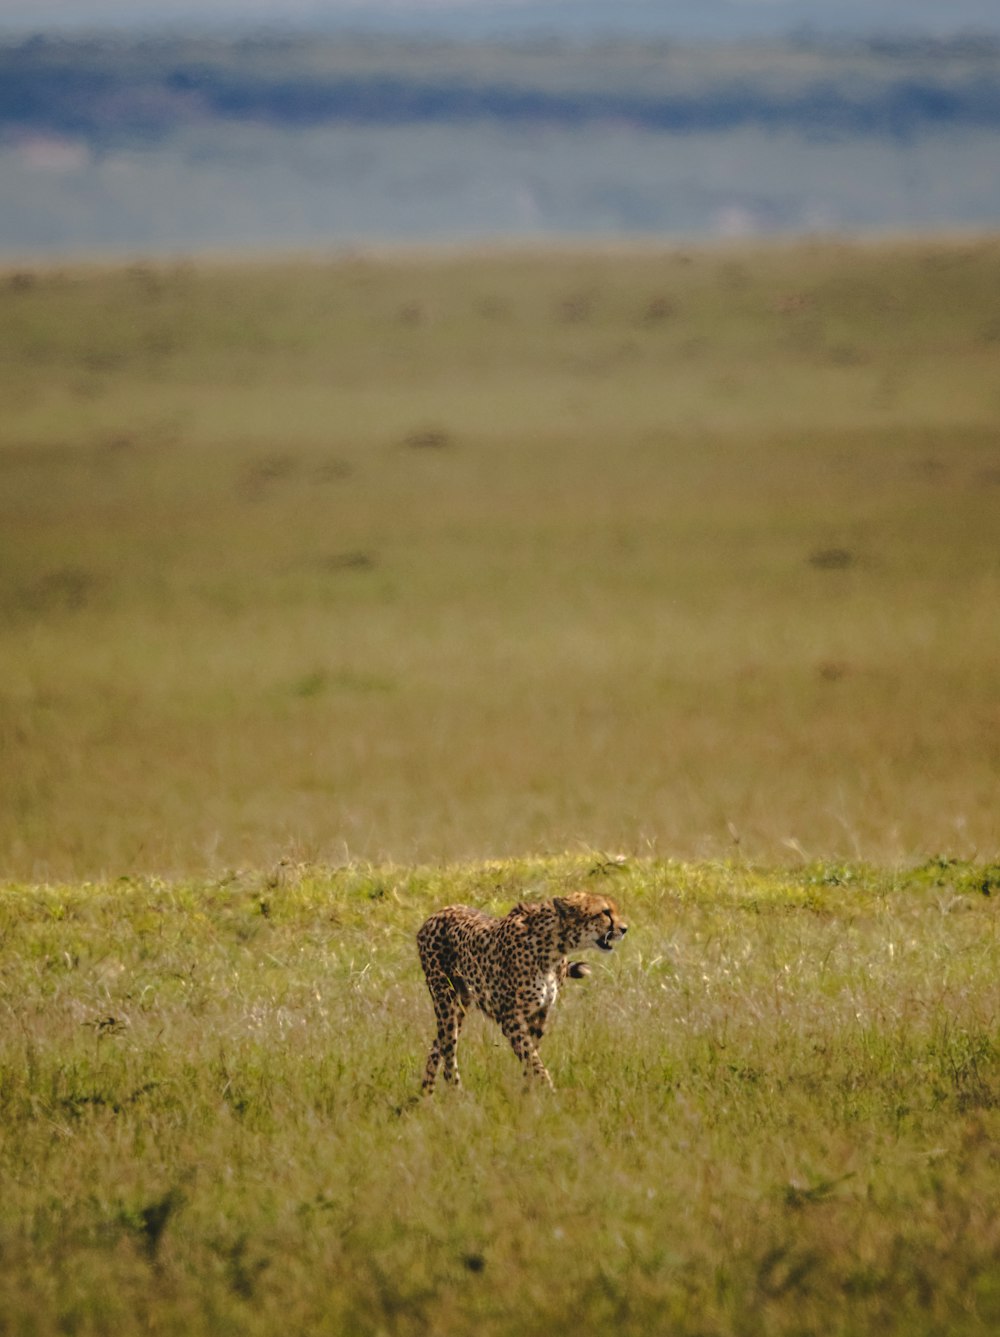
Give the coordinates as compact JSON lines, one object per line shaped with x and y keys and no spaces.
{"x":776,"y":1109}
{"x":427,"y":558}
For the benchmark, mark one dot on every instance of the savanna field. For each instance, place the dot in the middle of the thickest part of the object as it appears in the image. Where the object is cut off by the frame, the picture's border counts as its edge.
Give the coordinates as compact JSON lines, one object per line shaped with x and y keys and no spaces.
{"x":336,"y":589}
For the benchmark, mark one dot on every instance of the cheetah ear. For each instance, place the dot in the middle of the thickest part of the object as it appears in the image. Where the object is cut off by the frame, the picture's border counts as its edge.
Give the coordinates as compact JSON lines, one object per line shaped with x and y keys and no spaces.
{"x":562,"y":904}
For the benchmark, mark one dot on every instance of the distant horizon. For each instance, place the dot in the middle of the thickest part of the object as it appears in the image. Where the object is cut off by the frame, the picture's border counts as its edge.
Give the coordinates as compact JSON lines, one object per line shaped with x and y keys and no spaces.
{"x":157,"y":146}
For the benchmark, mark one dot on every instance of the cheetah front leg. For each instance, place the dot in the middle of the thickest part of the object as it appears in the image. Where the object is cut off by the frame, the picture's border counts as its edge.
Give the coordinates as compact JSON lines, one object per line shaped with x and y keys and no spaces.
{"x":524,"y":1034}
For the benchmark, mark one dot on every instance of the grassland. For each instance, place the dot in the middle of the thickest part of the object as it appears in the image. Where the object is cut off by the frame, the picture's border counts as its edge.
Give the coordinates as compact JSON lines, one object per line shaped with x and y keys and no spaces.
{"x":334,"y":590}
{"x":778,"y":1110}
{"x":427,"y":558}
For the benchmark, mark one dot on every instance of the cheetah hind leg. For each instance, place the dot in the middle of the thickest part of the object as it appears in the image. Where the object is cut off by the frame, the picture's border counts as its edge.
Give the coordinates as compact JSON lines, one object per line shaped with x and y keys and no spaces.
{"x":450,"y":1012}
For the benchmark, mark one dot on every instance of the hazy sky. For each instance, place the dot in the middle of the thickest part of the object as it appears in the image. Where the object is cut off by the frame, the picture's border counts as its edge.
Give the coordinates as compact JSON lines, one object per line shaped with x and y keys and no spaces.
{"x":686,"y":17}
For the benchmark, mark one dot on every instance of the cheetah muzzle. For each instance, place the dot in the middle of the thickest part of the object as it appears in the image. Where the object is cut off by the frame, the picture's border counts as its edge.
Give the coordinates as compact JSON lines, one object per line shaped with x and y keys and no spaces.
{"x":510,"y":968}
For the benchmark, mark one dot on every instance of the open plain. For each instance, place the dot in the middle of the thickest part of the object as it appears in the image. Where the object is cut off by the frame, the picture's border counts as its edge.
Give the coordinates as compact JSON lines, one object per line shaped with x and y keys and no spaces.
{"x":338,"y":589}
{"x":420,"y":558}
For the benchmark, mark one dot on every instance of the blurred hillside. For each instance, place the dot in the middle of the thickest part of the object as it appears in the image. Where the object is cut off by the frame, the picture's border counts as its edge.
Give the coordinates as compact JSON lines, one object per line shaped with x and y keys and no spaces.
{"x":110,"y":92}
{"x":185,"y":142}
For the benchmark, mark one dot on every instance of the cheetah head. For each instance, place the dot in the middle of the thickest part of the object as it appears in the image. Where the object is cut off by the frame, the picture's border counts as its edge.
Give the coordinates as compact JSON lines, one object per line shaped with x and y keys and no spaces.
{"x":589,"y":921}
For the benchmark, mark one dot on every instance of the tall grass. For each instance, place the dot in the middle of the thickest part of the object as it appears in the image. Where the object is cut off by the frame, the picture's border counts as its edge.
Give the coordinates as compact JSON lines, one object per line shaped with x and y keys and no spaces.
{"x":776,"y":1109}
{"x":425,"y":558}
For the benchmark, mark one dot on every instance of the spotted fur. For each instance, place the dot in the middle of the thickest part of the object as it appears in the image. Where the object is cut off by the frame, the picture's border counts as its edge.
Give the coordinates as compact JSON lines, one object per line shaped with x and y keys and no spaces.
{"x":510,"y":968}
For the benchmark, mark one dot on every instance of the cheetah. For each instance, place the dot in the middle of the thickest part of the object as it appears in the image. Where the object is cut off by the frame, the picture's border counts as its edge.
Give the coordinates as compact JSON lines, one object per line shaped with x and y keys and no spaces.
{"x":510,"y":968}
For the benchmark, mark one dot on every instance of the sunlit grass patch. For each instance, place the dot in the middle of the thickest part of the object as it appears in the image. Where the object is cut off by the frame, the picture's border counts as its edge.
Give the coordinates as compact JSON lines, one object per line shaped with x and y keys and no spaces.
{"x":777,"y":1106}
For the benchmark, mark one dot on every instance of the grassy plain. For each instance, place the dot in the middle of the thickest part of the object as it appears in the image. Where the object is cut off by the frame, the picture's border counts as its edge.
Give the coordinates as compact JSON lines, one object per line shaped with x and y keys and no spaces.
{"x":778,"y":1110}
{"x":426,"y":558}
